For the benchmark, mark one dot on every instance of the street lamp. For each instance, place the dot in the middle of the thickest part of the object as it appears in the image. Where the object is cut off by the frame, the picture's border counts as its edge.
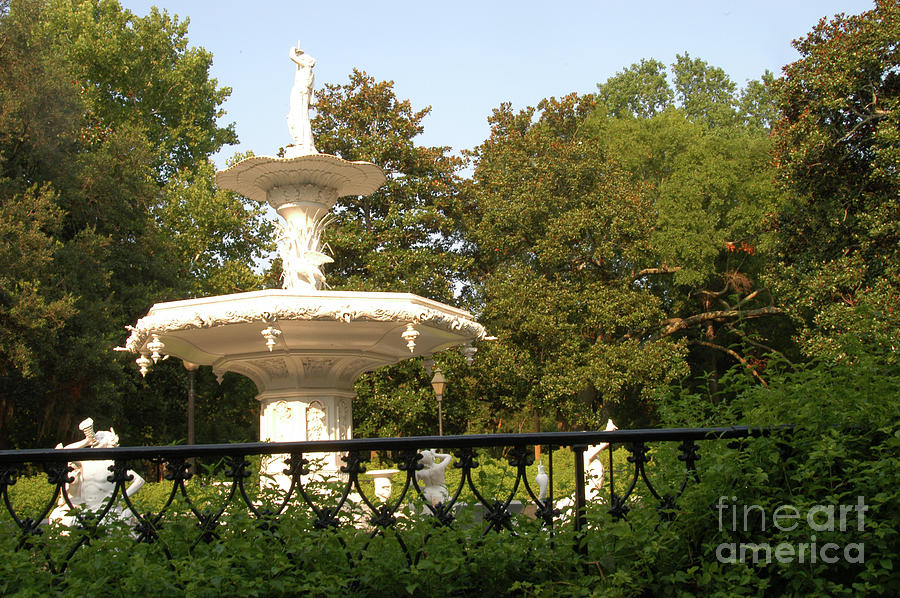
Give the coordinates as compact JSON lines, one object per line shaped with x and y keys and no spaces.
{"x":192,"y":371}
{"x":438,"y":383}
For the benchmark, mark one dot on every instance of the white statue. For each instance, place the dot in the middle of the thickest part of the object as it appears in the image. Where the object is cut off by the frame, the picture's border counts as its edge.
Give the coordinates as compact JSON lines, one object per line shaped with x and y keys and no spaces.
{"x":593,"y":465}
{"x":543,"y":482}
{"x":432,"y":475}
{"x":381,"y":479}
{"x":301,"y":94}
{"x":91,"y":489}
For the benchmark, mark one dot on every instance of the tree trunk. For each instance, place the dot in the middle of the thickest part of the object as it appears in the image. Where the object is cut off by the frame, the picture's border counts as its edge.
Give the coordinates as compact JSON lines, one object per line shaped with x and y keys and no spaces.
{"x":7,"y":409}
{"x":712,"y":370}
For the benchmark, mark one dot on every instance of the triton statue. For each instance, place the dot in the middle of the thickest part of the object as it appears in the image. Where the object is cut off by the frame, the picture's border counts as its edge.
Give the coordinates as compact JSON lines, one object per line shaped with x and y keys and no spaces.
{"x":91,"y":488}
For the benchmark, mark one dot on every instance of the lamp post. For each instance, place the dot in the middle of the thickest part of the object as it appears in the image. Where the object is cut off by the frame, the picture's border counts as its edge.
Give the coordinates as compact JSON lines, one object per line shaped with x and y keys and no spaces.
{"x":192,"y":371}
{"x":438,"y":382}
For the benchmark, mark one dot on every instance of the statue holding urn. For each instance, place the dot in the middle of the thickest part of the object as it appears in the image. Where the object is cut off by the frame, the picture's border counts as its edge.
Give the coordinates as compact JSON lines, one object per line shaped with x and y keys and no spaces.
{"x":90,"y":488}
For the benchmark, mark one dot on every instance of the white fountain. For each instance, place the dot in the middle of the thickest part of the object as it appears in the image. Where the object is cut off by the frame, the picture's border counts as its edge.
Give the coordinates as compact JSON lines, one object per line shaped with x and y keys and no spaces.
{"x":303,"y":346}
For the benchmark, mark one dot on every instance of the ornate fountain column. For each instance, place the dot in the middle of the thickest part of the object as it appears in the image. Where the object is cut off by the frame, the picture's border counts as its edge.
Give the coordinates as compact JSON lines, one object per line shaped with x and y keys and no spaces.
{"x":303,"y":396}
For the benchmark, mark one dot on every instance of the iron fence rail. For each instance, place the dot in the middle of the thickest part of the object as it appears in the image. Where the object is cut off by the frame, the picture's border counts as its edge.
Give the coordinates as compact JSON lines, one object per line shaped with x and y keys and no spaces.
{"x":373,"y":516}
{"x":559,"y":439}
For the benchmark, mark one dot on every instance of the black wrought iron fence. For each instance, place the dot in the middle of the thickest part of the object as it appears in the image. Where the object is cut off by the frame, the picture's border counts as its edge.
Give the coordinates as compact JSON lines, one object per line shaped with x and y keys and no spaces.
{"x":346,"y":500}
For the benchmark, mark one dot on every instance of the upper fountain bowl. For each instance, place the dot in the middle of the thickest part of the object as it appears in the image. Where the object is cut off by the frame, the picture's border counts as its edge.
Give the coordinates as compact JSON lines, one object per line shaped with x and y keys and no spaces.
{"x":271,"y":180}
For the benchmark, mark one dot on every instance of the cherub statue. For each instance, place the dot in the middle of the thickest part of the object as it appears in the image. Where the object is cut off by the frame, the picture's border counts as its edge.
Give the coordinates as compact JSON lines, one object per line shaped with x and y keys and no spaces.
{"x":301,"y":94}
{"x":593,"y":465}
{"x":432,"y":475}
{"x":91,"y":488}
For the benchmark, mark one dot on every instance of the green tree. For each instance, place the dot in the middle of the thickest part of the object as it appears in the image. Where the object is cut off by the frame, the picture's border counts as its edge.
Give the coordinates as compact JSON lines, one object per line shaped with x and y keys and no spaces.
{"x":836,"y":233}
{"x":704,"y":156}
{"x":705,"y":93}
{"x":404,"y":238}
{"x":141,"y":72}
{"x":640,"y":91}
{"x":562,"y":237}
{"x":618,"y":242}
{"x":94,"y":147}
{"x":35,"y":132}
{"x":218,"y":236}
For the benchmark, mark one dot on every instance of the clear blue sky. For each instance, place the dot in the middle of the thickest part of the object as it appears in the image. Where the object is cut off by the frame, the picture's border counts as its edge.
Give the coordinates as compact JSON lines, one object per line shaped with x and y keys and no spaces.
{"x":464,"y":58}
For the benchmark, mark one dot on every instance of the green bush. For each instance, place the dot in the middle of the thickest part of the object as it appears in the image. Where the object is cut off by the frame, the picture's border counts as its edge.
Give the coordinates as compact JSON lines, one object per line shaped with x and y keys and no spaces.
{"x":30,"y":496}
{"x":844,"y":445}
{"x":843,"y":449}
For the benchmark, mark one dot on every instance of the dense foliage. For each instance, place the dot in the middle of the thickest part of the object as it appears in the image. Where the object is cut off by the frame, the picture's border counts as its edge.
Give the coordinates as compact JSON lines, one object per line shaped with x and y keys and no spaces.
{"x":616,"y":242}
{"x":97,"y":221}
{"x":843,"y":450}
{"x":705,"y":160}
{"x":562,"y":235}
{"x":627,"y":247}
{"x":836,"y":231}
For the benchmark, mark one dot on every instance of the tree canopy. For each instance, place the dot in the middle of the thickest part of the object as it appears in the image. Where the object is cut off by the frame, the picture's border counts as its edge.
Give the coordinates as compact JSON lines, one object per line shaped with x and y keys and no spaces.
{"x":617,"y":241}
{"x":563,"y":236}
{"x":837,"y":148}
{"x":96,"y":152}
{"x":705,"y":156}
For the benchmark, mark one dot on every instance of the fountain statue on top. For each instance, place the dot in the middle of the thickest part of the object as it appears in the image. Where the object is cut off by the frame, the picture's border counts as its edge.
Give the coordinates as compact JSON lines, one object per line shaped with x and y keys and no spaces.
{"x":300,"y":240}
{"x":301,"y":94}
{"x":302,"y":345}
{"x":302,"y":187}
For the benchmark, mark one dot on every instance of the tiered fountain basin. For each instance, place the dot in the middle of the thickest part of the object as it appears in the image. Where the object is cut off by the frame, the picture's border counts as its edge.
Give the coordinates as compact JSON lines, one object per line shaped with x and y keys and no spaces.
{"x":303,"y":350}
{"x":225,"y":332}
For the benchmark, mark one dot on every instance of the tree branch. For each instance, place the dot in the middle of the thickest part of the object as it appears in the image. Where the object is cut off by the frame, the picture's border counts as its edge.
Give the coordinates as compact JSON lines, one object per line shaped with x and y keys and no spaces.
{"x":877,"y":116}
{"x":708,"y":293}
{"x":662,"y":270}
{"x":734,"y":354}
{"x":673,"y":325}
{"x":749,"y":297}
{"x":746,"y":338}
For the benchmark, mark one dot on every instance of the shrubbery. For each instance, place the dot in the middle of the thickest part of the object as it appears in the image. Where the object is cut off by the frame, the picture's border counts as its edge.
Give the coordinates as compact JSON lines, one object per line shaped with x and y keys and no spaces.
{"x":843,"y":449}
{"x":844,"y":445}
